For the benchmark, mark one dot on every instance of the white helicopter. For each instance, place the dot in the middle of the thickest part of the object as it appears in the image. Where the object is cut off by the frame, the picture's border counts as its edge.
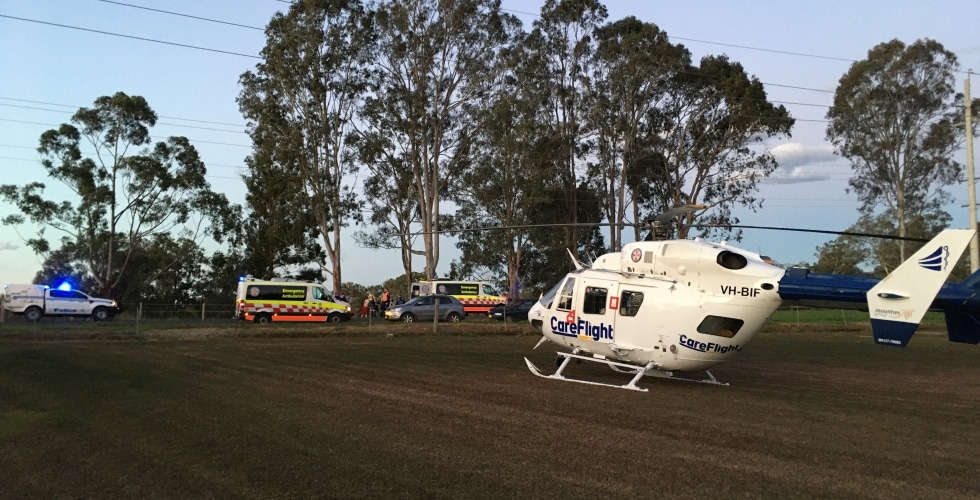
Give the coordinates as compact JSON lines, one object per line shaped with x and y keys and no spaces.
{"x":675,"y":308}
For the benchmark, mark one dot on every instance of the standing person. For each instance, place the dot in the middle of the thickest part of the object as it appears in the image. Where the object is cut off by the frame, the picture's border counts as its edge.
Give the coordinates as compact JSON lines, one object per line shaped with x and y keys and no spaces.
{"x":364,"y":308}
{"x":385,"y":300}
{"x":372,"y":304}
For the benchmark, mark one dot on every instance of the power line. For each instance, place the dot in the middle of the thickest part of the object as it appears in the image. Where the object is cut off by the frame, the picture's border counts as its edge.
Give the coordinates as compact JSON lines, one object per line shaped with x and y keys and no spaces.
{"x":258,"y":57}
{"x":157,"y":123}
{"x":747,"y":47}
{"x":208,"y":176}
{"x":183,"y":15}
{"x":151,"y":137}
{"x":129,"y":36}
{"x":79,"y":107}
{"x":89,"y":153}
{"x":800,"y":54}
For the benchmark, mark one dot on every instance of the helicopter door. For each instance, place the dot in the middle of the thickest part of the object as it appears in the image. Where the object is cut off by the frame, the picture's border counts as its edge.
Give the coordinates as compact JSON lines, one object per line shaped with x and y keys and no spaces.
{"x":598,"y":303}
{"x":633,"y":319}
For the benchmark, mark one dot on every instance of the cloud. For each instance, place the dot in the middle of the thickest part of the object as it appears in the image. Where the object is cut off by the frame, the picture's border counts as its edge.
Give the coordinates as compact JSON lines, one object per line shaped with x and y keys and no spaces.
{"x":795,"y":176}
{"x":7,"y":246}
{"x":793,"y":159}
{"x":794,"y":154}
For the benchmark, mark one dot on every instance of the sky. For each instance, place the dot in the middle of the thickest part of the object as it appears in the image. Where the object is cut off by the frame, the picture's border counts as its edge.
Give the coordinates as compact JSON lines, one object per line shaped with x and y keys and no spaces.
{"x":799,"y":50}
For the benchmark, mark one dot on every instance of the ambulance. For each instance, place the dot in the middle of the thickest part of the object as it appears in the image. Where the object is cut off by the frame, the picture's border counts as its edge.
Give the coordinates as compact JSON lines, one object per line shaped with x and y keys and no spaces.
{"x":476,"y":296}
{"x":264,"y":301}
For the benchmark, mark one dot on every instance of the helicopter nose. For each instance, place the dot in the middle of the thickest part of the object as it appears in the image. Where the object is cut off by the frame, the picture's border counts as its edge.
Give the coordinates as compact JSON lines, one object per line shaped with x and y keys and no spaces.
{"x":536,"y":317}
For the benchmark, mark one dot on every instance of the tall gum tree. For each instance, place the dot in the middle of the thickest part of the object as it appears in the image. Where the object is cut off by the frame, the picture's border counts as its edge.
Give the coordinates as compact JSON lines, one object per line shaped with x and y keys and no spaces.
{"x":128,"y":192}
{"x":505,"y":184}
{"x":436,"y":60}
{"x":562,"y":43}
{"x":633,"y":63}
{"x":709,"y":149}
{"x":893,"y":118}
{"x":301,"y":103}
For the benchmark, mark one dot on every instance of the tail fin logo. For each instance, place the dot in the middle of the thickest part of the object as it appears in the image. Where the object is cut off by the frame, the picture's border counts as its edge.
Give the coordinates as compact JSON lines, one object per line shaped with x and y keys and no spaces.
{"x":937,"y":260}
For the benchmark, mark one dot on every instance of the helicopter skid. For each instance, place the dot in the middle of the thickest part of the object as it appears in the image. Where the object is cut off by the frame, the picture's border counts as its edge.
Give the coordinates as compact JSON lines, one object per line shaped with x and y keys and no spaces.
{"x":708,"y":379}
{"x":637,"y":371}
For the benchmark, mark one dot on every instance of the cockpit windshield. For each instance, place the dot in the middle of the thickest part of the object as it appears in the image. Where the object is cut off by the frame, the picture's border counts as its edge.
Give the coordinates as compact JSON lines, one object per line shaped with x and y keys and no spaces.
{"x":549,"y":297}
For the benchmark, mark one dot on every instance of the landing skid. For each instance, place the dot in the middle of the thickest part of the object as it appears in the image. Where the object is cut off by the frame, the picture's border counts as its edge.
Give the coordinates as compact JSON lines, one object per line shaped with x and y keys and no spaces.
{"x":637,"y":371}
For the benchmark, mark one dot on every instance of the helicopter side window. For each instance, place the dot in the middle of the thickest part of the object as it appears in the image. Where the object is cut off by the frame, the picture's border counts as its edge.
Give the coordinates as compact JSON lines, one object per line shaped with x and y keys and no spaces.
{"x":565,"y":298}
{"x":595,"y":300}
{"x":629,"y":303}
{"x":720,"y":326}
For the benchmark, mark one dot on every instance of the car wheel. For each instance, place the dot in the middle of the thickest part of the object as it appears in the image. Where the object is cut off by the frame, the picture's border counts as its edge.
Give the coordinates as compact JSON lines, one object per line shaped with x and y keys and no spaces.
{"x":454,"y":318}
{"x":408,"y":318}
{"x":100,"y":314}
{"x":33,"y":314}
{"x":263,"y":318}
{"x":334,"y":318}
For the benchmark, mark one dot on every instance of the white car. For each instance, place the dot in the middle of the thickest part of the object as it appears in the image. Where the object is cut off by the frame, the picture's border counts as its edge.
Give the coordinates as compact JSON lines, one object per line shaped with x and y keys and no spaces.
{"x":37,"y":301}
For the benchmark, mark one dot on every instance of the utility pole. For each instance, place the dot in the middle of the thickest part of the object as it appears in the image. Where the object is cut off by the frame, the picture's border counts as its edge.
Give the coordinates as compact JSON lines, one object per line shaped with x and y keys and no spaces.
{"x":974,"y":247}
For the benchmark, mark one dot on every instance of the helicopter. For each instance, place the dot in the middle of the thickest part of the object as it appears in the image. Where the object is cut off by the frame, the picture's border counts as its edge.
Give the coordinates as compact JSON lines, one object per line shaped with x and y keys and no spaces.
{"x":674,"y":308}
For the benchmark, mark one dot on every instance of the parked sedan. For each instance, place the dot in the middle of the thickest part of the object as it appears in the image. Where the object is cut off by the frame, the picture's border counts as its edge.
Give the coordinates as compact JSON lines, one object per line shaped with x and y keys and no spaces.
{"x":516,"y":310}
{"x":423,"y":309}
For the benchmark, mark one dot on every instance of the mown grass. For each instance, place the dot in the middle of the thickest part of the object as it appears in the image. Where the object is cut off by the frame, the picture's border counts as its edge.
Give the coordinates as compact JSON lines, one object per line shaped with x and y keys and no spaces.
{"x":808,"y":414}
{"x":840,"y":317}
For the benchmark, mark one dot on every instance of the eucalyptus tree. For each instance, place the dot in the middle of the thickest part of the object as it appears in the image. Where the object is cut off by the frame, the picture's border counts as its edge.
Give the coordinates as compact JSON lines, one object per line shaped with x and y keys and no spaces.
{"x":893,"y":118}
{"x":391,"y":202}
{"x":842,"y":255}
{"x":505,"y":185}
{"x":436,"y":60}
{"x":878,"y":254}
{"x":562,"y":44}
{"x":126,"y":193}
{"x":634,"y":61}
{"x":281,"y":232}
{"x":301,"y":103}
{"x":709,"y":150}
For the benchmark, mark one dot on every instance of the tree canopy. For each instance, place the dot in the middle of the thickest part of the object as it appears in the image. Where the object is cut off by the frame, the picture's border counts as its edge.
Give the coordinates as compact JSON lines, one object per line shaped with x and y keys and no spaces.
{"x":128,"y":194}
{"x":302,"y":123}
{"x":893,"y":118}
{"x":408,"y":119}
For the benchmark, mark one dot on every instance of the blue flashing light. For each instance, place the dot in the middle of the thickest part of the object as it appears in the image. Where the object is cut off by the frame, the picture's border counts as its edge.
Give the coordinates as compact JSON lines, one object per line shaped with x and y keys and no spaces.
{"x":65,"y":286}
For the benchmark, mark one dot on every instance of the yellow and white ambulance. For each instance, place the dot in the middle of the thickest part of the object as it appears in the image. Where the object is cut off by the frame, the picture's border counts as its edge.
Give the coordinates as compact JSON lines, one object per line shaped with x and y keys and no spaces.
{"x":476,"y":296}
{"x":288,"y":300}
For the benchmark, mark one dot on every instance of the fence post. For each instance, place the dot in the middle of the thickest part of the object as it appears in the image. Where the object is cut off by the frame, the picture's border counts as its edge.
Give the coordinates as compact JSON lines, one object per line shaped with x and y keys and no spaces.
{"x":202,"y":311}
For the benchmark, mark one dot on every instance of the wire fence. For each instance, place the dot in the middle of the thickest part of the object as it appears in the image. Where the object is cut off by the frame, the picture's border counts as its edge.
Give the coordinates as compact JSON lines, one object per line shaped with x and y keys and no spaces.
{"x":148,"y":312}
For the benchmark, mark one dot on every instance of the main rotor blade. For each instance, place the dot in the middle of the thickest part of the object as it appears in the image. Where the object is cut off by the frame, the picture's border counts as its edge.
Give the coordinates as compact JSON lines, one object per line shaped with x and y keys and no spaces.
{"x":818,"y":231}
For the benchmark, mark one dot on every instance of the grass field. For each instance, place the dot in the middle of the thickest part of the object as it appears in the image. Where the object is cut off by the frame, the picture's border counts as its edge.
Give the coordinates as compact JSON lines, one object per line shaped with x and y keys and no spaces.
{"x":304,"y":411}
